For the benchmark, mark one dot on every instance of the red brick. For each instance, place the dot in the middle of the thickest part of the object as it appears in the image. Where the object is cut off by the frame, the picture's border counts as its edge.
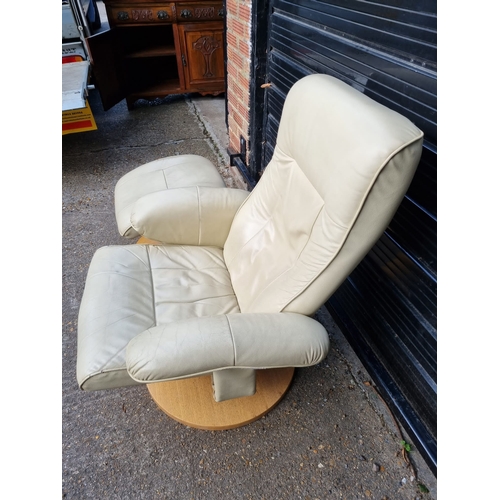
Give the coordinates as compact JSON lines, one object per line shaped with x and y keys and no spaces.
{"x":239,"y":92}
{"x":233,"y":103}
{"x":238,"y":120}
{"x":240,"y":28}
{"x":243,"y":79}
{"x":244,"y":48}
{"x":245,"y":13}
{"x":244,"y":112}
{"x":234,"y":141}
{"x":231,"y":39}
{"x":232,"y":71}
{"x":238,"y":70}
{"x":235,"y":58}
{"x":232,"y":7}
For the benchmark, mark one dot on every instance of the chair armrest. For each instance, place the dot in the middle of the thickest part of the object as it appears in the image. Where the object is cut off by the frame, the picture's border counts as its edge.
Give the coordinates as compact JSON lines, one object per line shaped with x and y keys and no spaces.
{"x":199,"y":346}
{"x":188,"y":216}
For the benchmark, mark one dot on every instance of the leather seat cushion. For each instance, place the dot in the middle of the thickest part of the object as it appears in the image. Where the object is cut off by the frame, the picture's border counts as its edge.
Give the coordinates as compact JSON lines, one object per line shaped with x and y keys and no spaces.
{"x":166,"y":173}
{"x":131,"y":288}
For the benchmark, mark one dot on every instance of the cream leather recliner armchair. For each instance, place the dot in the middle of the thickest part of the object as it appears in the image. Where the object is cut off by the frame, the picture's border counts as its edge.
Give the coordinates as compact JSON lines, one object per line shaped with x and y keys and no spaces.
{"x":237,"y":276}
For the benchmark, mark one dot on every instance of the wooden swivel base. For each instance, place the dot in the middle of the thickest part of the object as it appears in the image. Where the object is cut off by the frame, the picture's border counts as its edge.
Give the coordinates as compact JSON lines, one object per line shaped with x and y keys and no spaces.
{"x":190,"y":401}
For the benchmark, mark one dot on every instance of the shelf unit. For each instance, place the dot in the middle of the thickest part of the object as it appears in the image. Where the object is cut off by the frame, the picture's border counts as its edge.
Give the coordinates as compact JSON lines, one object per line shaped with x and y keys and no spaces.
{"x":154,"y":49}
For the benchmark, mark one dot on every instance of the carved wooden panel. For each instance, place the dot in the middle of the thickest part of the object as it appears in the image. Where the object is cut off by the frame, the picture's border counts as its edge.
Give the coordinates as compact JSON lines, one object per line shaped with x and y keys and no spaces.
{"x":207,"y":11}
{"x":140,"y":14}
{"x":204,"y":53}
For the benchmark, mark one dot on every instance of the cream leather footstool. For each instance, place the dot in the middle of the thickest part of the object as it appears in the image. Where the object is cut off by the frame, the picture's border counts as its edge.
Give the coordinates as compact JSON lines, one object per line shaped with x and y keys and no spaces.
{"x":160,"y":175}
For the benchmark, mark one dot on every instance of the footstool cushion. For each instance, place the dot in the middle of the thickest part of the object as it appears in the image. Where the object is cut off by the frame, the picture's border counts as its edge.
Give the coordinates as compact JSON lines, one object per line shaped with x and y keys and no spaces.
{"x":161,"y":175}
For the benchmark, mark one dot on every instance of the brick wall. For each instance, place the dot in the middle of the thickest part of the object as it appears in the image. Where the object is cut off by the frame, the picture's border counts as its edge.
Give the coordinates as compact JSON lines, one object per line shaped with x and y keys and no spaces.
{"x":238,"y":19}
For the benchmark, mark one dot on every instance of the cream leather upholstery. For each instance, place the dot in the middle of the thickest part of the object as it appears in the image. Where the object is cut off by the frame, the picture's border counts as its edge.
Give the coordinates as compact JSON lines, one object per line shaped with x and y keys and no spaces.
{"x":243,"y":341}
{"x":341,"y":166}
{"x":237,"y":275}
{"x":133,"y":288}
{"x":187,"y":216}
{"x":158,"y":177}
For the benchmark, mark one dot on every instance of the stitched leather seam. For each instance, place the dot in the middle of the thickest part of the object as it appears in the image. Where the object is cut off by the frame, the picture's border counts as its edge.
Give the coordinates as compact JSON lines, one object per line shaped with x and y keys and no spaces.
{"x":165,"y":177}
{"x":152,"y":284}
{"x":199,"y":215}
{"x":232,"y":338}
{"x":375,"y":178}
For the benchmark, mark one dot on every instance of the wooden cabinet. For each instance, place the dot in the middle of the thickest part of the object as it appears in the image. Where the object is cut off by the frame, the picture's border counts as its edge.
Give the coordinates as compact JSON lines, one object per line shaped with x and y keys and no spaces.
{"x":203,"y":53}
{"x":154,"y":49}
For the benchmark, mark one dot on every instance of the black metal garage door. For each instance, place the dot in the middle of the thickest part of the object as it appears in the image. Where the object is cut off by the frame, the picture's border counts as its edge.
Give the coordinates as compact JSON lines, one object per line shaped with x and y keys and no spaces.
{"x":387,"y":50}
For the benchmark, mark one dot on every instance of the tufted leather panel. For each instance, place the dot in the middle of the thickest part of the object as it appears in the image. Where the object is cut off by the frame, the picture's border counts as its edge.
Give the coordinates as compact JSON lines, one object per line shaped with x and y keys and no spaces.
{"x":132,"y":288}
{"x":334,"y":145}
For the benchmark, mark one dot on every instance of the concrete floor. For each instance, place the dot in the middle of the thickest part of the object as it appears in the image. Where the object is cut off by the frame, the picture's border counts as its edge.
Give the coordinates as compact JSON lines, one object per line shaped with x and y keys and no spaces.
{"x":330,"y":437}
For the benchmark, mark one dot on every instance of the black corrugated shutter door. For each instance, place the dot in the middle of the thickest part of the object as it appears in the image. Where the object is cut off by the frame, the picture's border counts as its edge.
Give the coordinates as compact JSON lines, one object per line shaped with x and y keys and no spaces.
{"x":387,"y":307}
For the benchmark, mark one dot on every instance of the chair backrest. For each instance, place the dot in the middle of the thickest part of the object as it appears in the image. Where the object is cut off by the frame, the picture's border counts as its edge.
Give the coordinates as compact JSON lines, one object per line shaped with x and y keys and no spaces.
{"x":341,"y":166}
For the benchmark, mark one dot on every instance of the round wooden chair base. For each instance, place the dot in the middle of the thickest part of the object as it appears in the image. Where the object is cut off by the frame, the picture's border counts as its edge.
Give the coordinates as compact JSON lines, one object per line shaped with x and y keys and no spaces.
{"x":190,"y":401}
